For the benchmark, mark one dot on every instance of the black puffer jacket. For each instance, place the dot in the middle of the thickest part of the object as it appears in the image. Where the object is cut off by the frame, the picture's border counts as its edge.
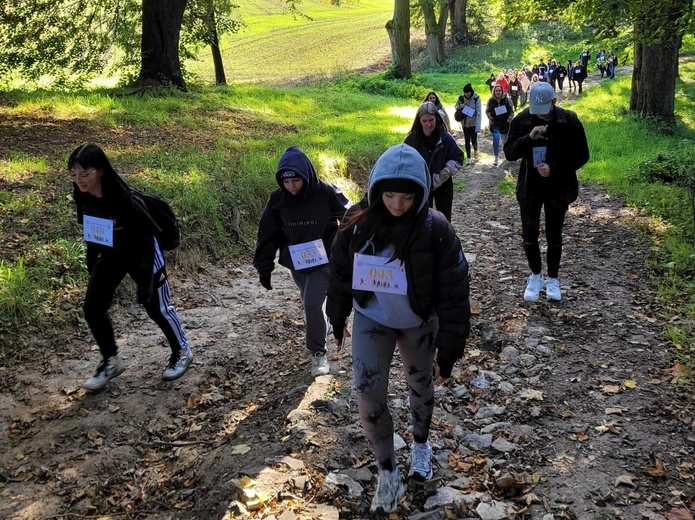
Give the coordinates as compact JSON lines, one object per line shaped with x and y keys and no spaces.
{"x":437,"y":273}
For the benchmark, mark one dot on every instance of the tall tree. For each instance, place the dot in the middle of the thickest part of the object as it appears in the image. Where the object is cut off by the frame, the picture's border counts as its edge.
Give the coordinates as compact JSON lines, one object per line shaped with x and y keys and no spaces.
{"x":161,"y":29}
{"x":435,"y":14}
{"x":459,"y":21}
{"x":398,"y":29}
{"x":68,"y":38}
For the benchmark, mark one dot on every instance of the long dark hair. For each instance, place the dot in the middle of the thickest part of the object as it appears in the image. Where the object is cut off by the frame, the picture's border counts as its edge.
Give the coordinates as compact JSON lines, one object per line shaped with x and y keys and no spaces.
{"x":374,"y":222}
{"x":90,"y":155}
{"x":416,"y":130}
{"x":437,"y":103}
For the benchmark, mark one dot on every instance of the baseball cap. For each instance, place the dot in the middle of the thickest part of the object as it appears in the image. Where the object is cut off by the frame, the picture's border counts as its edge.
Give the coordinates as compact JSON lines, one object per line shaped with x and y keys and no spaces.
{"x":541,"y":98}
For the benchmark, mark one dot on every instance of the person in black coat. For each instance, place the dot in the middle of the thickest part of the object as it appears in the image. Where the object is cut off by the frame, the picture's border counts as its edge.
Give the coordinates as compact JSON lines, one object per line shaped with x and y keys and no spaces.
{"x":300,"y":220}
{"x":400,"y":266}
{"x":579,"y":75}
{"x":441,"y":152}
{"x":552,"y":146}
{"x":121,"y":239}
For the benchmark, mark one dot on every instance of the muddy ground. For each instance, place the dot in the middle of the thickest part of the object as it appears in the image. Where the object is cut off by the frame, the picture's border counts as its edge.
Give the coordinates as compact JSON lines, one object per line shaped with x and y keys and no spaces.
{"x":582,"y":418}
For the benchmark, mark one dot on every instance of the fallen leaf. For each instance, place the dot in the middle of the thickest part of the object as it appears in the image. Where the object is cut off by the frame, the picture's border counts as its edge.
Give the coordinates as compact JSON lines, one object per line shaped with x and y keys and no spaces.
{"x":476,"y":309}
{"x":192,"y":402}
{"x":654,"y":381}
{"x":679,"y":514}
{"x":531,"y":395}
{"x":536,"y":477}
{"x":240,"y":449}
{"x":611,"y":389}
{"x":676,"y":372}
{"x":657,"y":470}
{"x":84,"y":412}
{"x":614,"y":411}
{"x":579,"y":437}
{"x":626,"y":480}
{"x":630,"y":383}
{"x":607,"y":427}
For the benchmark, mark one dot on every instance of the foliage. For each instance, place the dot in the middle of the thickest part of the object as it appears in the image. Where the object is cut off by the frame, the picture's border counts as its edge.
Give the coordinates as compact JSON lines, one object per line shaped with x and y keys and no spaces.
{"x":72,"y":40}
{"x":673,"y":167}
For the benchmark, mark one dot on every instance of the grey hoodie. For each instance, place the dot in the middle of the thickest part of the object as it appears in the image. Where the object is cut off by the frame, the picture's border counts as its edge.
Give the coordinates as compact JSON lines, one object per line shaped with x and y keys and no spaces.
{"x":400,"y":162}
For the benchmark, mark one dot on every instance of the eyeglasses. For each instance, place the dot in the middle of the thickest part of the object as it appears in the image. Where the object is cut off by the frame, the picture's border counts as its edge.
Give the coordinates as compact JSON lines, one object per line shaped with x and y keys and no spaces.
{"x":83,"y":174}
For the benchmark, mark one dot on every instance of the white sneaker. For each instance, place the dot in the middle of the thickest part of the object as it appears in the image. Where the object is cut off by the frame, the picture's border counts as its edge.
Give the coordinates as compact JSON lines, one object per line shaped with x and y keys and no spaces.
{"x":178,"y":364}
{"x":319,"y":365}
{"x":420,"y":461}
{"x":389,"y":491}
{"x":469,"y":162}
{"x":496,"y":161}
{"x":552,"y":290}
{"x":107,"y":370}
{"x":533,"y":288}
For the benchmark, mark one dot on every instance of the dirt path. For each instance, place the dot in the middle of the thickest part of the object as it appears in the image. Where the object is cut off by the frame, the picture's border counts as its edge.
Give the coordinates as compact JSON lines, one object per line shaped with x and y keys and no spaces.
{"x":580,"y":420}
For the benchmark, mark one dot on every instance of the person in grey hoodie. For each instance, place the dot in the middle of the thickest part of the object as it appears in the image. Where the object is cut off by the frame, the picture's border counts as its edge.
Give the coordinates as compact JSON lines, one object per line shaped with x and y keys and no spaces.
{"x":401,"y":266}
{"x":300,"y":219}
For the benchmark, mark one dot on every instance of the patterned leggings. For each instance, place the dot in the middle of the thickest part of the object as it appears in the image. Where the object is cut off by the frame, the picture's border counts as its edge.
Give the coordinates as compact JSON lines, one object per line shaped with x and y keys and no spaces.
{"x":373,"y":346}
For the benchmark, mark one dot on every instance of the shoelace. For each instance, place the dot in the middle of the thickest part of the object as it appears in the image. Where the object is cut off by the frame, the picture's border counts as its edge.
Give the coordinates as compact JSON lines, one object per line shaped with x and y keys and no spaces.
{"x":421,"y":459}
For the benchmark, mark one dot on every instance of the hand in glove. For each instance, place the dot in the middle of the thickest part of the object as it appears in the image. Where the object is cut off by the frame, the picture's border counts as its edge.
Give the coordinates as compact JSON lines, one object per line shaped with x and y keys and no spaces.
{"x":440,"y":178}
{"x":265,"y":281}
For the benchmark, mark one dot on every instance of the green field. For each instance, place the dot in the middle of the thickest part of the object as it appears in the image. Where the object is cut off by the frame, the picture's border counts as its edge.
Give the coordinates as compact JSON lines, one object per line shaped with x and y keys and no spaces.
{"x":277,"y":46}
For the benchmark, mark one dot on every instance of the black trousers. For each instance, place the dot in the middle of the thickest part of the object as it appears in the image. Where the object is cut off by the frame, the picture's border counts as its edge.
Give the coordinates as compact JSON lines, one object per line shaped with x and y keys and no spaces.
{"x":443,"y":198}
{"x":470,"y":137}
{"x":107,"y":274}
{"x":530,"y":231}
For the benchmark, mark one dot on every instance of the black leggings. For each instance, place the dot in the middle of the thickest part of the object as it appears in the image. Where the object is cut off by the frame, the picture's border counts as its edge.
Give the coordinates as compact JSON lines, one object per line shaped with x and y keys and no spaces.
{"x":107,"y":274}
{"x":471,"y":137}
{"x":530,"y":231}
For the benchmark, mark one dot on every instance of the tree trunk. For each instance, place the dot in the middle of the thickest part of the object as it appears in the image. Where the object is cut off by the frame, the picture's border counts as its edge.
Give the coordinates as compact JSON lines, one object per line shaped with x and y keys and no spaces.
{"x":399,"y":34}
{"x":657,"y":84}
{"x":459,"y":22}
{"x":434,"y":31}
{"x":220,"y":77}
{"x":161,"y":26}
{"x":636,"y":76}
{"x":658,"y":35}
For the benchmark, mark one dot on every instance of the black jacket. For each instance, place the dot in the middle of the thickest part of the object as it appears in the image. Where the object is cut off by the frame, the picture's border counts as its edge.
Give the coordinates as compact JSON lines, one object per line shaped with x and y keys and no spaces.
{"x":294,"y":219}
{"x":437,"y":274}
{"x":500,"y":122}
{"x":567,"y":151}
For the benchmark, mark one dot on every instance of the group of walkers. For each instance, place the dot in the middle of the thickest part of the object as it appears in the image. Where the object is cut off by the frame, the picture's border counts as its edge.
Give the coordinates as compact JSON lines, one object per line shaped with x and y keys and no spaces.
{"x":391,"y":258}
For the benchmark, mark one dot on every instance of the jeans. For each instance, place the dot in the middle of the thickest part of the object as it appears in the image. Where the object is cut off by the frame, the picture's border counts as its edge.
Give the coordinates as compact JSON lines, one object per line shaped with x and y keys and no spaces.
{"x":497,"y":137}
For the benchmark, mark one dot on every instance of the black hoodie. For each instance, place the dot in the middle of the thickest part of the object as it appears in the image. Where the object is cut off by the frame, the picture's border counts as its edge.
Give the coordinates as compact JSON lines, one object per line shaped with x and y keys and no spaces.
{"x":295,"y":219}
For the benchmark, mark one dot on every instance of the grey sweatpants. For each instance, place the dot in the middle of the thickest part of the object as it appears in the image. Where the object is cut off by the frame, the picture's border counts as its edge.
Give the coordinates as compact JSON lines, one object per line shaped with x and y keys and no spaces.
{"x":312,"y":288}
{"x":372,"y":351}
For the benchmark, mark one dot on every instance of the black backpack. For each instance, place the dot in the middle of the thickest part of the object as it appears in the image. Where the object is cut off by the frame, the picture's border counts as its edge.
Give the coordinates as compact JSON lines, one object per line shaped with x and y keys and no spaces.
{"x":169,"y":237}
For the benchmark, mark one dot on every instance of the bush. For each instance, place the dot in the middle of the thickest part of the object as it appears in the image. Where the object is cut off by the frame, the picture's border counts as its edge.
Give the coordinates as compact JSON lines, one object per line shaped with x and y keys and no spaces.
{"x":673,"y":167}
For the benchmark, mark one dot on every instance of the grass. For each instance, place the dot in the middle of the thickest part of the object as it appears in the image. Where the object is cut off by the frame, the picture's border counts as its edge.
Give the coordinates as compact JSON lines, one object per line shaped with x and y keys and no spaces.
{"x":212,"y":152}
{"x":278,"y":47}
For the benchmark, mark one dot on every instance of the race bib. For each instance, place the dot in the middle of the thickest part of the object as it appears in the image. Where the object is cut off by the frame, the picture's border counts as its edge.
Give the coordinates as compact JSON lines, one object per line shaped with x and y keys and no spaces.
{"x":377,"y":274}
{"x":97,"y":230}
{"x":308,"y":254}
{"x":515,"y":88}
{"x":562,"y":75}
{"x":539,"y":155}
{"x":468,"y":111}
{"x":500,"y":110}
